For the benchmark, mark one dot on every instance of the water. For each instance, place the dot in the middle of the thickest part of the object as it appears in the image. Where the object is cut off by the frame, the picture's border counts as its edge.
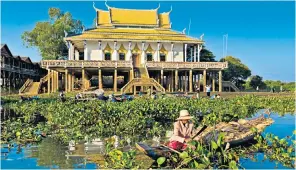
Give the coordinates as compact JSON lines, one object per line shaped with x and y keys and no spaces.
{"x":50,"y":154}
{"x":282,"y":127}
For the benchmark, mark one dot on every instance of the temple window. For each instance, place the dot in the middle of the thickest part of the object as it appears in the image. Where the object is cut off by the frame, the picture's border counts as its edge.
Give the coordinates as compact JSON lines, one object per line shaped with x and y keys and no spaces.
{"x":162,"y":57}
{"x":149,"y":57}
{"x":121,"y":56}
{"x":107,"y":56}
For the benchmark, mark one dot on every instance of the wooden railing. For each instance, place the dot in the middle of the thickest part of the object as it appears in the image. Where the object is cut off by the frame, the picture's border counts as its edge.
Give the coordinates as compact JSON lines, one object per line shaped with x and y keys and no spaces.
{"x":17,"y":69}
{"x":82,"y":63}
{"x":26,"y":84}
{"x":187,"y":65}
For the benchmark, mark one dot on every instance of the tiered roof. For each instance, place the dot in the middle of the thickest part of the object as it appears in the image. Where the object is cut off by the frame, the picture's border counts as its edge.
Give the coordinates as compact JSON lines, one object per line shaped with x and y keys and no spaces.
{"x":117,"y":24}
{"x":132,"y":17}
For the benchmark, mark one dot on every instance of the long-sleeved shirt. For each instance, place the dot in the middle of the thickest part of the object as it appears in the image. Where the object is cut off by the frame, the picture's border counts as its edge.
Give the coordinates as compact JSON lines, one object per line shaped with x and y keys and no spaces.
{"x":181,"y":131}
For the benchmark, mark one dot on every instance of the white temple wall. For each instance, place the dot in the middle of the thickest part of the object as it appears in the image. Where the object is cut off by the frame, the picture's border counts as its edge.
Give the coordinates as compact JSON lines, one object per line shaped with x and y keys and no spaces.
{"x":95,"y":54}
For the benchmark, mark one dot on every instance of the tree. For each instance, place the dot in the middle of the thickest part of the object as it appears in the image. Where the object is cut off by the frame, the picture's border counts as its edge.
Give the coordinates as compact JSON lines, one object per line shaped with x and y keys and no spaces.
{"x":257,"y":81}
{"x":236,"y":72}
{"x":48,"y":36}
{"x":205,"y":55}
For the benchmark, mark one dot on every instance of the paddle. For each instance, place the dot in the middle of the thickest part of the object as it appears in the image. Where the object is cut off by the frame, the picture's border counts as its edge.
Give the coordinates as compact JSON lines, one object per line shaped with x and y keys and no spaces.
{"x":199,"y":132}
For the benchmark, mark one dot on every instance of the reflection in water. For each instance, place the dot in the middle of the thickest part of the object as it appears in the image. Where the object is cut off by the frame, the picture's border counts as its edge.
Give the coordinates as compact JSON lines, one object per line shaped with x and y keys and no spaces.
{"x":48,"y":154}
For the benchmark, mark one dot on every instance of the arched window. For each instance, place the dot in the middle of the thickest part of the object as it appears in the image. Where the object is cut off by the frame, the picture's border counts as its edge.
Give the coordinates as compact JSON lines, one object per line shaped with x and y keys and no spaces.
{"x":162,"y":57}
{"x":149,"y":57}
{"x":107,"y":56}
{"x":121,"y":56}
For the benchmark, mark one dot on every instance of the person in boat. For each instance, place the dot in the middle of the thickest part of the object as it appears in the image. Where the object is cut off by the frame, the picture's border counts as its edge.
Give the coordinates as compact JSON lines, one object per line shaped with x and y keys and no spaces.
{"x":183,"y":131}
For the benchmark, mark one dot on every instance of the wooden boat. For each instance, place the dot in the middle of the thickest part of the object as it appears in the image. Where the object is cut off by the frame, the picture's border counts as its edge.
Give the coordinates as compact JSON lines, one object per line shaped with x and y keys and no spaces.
{"x":236,"y":133}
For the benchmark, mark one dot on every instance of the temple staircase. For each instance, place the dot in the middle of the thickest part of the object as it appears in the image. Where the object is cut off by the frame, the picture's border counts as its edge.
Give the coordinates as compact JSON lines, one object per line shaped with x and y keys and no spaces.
{"x":32,"y":88}
{"x":231,"y":85}
{"x":142,"y":79}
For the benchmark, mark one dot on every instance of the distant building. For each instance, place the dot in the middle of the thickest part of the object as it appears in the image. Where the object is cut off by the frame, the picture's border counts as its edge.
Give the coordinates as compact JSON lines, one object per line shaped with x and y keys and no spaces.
{"x":138,"y":45}
{"x":16,"y":70}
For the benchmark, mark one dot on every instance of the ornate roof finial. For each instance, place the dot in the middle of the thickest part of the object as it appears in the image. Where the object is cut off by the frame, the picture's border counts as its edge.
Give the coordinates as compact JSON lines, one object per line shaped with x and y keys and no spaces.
{"x":201,"y":36}
{"x":158,"y":7}
{"x":107,"y":4}
{"x":184,"y":31}
{"x":171,"y":9}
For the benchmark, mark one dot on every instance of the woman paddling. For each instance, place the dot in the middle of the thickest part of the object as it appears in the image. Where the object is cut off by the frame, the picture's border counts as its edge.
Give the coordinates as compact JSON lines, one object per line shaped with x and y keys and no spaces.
{"x":183,"y":131}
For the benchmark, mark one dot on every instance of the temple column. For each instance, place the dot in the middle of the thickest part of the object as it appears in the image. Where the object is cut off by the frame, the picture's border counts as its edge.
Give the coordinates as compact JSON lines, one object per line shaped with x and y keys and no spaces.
{"x":213,"y":82}
{"x":72,"y":82}
{"x":76,"y":55}
{"x":199,"y":48}
{"x":220,"y":80}
{"x":176,"y":80}
{"x":48,"y":81}
{"x":115,"y":81}
{"x":83,"y":78}
{"x":66,"y":80}
{"x":72,"y":51}
{"x":190,"y":81}
{"x":204,"y":80}
{"x":85,"y":50}
{"x":52,"y":81}
{"x":194,"y":53}
{"x":172,"y":81}
{"x":185,"y":52}
{"x":161,"y":77}
{"x":100,"y":79}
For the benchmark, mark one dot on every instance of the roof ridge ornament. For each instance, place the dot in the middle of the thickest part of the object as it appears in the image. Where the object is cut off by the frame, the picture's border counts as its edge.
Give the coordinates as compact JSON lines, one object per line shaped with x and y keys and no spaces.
{"x":107,"y":4}
{"x":96,"y":9}
{"x":171,"y":9}
{"x":201,"y":36}
{"x":184,"y":31}
{"x":158,"y":6}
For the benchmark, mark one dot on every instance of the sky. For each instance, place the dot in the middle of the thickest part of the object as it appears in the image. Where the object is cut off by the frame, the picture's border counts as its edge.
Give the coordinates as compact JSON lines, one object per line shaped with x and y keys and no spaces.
{"x":261,"y":34}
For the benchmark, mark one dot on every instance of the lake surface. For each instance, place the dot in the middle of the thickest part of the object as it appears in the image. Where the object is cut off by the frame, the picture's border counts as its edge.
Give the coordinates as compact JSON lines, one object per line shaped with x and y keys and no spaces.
{"x":50,"y":154}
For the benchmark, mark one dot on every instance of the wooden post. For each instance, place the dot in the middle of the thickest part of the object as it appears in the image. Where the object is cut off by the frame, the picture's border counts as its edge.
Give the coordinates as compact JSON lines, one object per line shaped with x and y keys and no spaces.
{"x":204,"y":80}
{"x":83,"y":79}
{"x":48,"y":81}
{"x":135,"y":90}
{"x":176,"y":80}
{"x":190,"y":81}
{"x":72,"y":81}
{"x":220,"y":80}
{"x":213,"y":82}
{"x":100,"y":79}
{"x":66,"y":80}
{"x":172,"y":82}
{"x":52,"y":81}
{"x":161,"y":77}
{"x":115,"y":81}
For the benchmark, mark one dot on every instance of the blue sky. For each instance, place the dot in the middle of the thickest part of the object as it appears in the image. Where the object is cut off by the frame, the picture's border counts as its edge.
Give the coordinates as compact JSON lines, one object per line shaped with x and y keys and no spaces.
{"x":261,"y":34}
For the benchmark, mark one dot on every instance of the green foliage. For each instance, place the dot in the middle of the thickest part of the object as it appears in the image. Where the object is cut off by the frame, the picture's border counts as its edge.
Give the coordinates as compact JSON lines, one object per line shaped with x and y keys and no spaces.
{"x":257,"y":81}
{"x":48,"y":36}
{"x":69,"y":121}
{"x":236,"y":71}
{"x":277,"y":85}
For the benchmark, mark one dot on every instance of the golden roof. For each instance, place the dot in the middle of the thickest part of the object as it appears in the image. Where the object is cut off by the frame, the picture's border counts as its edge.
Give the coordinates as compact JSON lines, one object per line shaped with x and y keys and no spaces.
{"x":103,"y":18}
{"x":134,"y":34}
{"x":164,"y":20}
{"x":133,"y":17}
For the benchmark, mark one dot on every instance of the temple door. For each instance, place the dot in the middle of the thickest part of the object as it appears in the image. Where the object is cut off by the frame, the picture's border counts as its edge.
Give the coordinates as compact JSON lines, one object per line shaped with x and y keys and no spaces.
{"x":136,"y":60}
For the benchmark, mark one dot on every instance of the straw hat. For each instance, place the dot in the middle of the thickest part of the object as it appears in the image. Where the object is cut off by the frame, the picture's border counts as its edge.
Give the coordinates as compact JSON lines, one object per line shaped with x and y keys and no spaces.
{"x":184,"y":114}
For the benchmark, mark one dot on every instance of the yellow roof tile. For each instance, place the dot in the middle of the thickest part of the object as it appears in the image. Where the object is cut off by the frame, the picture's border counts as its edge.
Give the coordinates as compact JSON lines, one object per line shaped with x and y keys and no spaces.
{"x":164,"y":20}
{"x":132,"y":34}
{"x":133,"y":17}
{"x":103,"y":18}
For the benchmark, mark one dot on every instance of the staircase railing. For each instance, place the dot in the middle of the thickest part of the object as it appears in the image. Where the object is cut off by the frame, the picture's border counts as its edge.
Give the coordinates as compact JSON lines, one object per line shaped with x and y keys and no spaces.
{"x":230,"y":84}
{"x":43,"y":80}
{"x":26,"y":84}
{"x":140,"y":81}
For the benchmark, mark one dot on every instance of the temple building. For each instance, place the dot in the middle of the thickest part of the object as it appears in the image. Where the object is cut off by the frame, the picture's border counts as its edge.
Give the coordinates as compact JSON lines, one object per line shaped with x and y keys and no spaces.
{"x":131,"y":50}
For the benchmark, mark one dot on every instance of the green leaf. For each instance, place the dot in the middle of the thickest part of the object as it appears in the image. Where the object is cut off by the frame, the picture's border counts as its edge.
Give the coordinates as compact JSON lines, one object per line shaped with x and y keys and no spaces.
{"x":183,"y":155}
{"x":214,"y":145}
{"x":160,"y":160}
